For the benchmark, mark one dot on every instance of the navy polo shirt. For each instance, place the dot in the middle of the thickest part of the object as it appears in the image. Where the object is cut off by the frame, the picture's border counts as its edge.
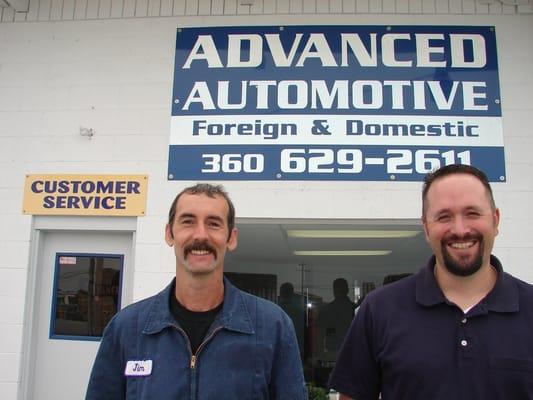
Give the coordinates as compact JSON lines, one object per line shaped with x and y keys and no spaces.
{"x":410,"y":343}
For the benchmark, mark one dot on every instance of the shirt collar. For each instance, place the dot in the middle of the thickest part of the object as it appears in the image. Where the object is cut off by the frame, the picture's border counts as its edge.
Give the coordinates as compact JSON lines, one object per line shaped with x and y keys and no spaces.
{"x":234,"y":315}
{"x":502,"y":298}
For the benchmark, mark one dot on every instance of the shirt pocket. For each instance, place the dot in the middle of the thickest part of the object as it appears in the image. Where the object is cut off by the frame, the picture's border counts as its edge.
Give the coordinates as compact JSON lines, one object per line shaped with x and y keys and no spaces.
{"x":511,"y":378}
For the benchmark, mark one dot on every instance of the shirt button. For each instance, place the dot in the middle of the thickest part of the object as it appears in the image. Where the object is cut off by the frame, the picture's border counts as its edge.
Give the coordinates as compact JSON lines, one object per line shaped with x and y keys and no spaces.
{"x":463,"y":320}
{"x":464,"y":343}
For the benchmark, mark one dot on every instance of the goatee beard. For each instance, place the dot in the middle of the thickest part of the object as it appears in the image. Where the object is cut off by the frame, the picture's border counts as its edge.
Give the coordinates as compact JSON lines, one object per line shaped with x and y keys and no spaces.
{"x":463,"y":268}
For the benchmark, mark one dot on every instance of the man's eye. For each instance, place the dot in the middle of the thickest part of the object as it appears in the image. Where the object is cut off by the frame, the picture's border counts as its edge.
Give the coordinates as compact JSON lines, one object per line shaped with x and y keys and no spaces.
{"x":443,"y":218}
{"x":214,"y":224}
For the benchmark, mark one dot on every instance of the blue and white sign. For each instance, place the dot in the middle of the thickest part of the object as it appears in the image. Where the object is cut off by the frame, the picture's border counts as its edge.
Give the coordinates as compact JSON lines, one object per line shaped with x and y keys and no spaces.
{"x":368,"y":103}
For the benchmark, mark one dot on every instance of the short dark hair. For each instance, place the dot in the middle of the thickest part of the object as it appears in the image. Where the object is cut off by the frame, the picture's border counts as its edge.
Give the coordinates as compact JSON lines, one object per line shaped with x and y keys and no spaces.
{"x":451,"y":170}
{"x":340,"y":287}
{"x":210,"y":191}
{"x":286,"y":290}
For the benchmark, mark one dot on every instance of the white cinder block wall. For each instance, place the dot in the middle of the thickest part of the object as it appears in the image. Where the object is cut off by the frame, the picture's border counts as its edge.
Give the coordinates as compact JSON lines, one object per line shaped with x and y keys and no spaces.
{"x":108,"y":65}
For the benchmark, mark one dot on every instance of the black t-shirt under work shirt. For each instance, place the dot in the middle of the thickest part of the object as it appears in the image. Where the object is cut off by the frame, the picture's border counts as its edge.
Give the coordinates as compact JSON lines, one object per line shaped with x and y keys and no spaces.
{"x":195,"y":324}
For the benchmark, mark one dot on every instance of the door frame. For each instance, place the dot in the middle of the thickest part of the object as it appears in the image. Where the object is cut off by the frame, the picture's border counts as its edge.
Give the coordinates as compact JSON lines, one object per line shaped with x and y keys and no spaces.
{"x":40,"y":226}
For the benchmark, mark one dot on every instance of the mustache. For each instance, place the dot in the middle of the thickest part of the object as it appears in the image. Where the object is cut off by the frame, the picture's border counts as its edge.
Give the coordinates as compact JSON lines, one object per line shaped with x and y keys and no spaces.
{"x":199,"y":245}
{"x":464,"y":238}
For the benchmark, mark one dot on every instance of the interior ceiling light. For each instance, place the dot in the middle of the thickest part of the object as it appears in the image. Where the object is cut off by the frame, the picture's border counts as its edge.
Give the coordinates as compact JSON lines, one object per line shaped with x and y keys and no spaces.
{"x":505,"y":2}
{"x":342,"y":252}
{"x":351,"y":234}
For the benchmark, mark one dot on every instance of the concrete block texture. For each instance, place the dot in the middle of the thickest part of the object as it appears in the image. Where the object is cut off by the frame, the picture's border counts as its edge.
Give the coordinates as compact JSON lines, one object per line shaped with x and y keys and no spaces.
{"x":108,"y":66}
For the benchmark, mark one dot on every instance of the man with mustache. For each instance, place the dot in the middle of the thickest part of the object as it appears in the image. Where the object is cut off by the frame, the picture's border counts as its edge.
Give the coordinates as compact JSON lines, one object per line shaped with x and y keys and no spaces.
{"x":458,"y":329}
{"x":201,"y":337}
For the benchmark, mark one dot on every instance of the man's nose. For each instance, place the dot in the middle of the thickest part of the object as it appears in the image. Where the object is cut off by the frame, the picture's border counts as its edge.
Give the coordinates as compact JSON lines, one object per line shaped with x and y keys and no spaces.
{"x":460,"y":226}
{"x":200,"y":231}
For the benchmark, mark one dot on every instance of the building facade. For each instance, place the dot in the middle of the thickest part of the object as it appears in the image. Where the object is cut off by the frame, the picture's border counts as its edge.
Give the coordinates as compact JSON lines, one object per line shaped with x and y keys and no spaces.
{"x":86,"y":88}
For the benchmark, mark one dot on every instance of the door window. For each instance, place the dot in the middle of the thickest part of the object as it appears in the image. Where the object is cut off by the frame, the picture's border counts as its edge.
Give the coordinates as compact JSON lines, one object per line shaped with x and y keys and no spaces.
{"x":86,"y":294}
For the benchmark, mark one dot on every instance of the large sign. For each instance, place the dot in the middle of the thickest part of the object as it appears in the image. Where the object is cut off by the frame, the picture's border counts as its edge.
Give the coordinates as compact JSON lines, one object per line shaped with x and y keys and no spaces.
{"x":113,"y":195}
{"x":334,"y":102}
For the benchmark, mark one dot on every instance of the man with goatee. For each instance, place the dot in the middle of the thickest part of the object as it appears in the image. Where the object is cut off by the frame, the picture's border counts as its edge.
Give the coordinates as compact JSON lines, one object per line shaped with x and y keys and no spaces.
{"x":200,"y":338}
{"x":459,"y":329}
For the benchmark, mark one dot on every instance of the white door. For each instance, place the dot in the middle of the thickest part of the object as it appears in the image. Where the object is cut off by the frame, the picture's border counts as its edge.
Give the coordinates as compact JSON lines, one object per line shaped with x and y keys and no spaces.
{"x":61,"y":368}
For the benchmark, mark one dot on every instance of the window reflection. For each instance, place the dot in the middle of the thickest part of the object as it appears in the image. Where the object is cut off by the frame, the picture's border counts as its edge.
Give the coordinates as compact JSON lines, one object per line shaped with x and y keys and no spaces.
{"x":334,"y":320}
{"x":294,"y":305}
{"x":86,"y":294}
{"x":321,"y":314}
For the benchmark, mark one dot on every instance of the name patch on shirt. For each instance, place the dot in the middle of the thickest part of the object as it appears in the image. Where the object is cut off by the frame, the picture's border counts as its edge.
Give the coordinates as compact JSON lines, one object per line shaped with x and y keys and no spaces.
{"x":138,"y":368}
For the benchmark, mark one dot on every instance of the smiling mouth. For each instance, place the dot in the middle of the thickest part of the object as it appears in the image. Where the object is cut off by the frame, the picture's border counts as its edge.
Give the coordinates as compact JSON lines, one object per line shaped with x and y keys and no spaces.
{"x":199,"y":249}
{"x":462,"y":245}
{"x":199,"y":252}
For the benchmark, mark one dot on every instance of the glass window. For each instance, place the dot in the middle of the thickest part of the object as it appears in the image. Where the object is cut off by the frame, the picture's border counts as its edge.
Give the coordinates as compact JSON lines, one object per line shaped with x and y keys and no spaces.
{"x":319,"y":273}
{"x":86,"y":294}
{"x":262,"y":285}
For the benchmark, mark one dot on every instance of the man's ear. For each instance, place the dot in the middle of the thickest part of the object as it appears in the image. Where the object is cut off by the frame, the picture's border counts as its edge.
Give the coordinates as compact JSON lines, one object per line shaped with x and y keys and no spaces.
{"x":232,"y":240}
{"x":169,"y":236}
{"x":424,"y":225}
{"x":496,"y":218}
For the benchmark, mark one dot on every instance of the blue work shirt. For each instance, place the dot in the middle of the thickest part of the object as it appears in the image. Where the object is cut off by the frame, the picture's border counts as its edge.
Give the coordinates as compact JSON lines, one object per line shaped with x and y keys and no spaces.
{"x":250,"y":352}
{"x":410,"y":343}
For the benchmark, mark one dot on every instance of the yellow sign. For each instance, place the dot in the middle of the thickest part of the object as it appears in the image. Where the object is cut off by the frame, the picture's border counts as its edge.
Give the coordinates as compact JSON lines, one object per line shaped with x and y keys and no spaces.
{"x":110,"y":195}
